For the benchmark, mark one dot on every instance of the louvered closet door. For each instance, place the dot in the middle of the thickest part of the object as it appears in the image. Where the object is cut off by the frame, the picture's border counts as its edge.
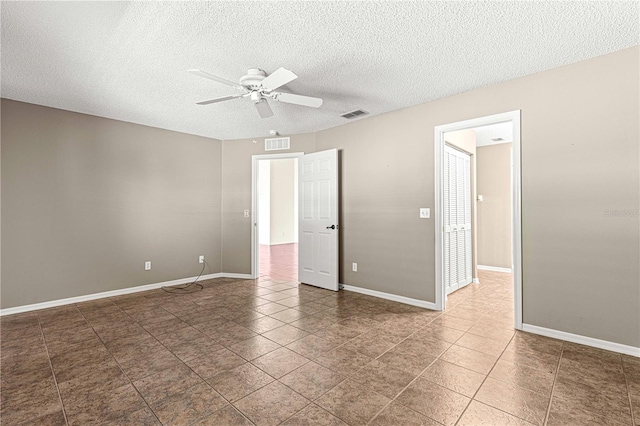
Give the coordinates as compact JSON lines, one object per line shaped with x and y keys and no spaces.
{"x":457,"y":219}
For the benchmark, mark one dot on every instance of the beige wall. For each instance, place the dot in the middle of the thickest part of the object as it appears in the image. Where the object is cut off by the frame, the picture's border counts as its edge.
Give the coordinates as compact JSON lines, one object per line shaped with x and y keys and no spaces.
{"x":466,"y":141}
{"x":90,"y":199}
{"x":236,"y":196}
{"x":87,"y":200}
{"x":283,"y":199}
{"x":580,"y":157}
{"x":494,"y":212}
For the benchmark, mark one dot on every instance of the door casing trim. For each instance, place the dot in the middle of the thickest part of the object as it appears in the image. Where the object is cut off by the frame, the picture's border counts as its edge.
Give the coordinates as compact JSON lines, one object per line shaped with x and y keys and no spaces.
{"x":516,"y":211}
{"x":255,"y":249}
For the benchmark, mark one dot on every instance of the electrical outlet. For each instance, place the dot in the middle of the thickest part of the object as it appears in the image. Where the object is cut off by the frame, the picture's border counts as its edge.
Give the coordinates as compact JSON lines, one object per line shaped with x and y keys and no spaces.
{"x":354,"y":267}
{"x":246,"y":212}
{"x":201,"y":259}
{"x":147,"y":265}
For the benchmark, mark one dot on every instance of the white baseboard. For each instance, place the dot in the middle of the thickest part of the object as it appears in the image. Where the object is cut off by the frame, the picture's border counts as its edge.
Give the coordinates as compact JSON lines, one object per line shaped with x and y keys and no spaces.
{"x":389,"y":296}
{"x":237,"y":276}
{"x":583,"y":340}
{"x":494,"y":269}
{"x":112,"y":293}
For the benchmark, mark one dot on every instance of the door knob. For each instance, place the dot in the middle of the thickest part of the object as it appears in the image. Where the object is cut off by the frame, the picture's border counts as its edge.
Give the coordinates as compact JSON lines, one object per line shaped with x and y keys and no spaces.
{"x":331,"y":227}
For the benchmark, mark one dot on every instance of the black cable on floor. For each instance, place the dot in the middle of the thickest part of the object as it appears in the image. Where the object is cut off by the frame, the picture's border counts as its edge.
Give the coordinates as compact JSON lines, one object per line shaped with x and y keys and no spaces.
{"x":189,"y":288}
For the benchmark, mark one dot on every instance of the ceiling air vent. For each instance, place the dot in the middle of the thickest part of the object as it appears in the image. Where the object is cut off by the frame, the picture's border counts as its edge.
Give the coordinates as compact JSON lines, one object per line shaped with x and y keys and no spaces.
{"x":497,"y":139}
{"x":275,"y":144}
{"x":354,"y":114}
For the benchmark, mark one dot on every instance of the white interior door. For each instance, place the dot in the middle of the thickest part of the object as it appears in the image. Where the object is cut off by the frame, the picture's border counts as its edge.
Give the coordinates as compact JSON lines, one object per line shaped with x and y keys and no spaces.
{"x":457,"y":219}
{"x":318,"y":219}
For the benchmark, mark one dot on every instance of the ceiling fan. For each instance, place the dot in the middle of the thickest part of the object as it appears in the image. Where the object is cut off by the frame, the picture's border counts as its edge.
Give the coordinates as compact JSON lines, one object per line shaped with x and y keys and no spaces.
{"x":259,"y":87}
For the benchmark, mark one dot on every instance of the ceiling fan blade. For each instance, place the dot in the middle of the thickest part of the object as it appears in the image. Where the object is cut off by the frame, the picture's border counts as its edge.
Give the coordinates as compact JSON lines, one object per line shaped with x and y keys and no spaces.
{"x":220,"y":99}
{"x":278,"y":78}
{"x":215,"y":78}
{"x":292,"y":98}
{"x":264,"y":109}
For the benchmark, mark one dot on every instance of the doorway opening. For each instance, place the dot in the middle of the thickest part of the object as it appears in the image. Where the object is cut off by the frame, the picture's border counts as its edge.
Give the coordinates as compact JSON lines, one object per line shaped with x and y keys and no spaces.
{"x":274,"y":236}
{"x":477,"y":231}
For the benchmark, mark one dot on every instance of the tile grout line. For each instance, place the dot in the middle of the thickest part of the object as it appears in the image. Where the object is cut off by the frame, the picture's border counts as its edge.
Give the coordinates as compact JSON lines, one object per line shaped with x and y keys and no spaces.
{"x":392,"y":400}
{"x":553,"y":387}
{"x":114,"y":358}
{"x":185,"y":364}
{"x":626,"y":381}
{"x":53,"y":373}
{"x":473,"y":398}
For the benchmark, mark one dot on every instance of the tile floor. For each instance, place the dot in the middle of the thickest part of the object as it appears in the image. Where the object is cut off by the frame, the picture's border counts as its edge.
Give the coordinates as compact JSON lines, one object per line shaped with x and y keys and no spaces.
{"x":271,"y":352}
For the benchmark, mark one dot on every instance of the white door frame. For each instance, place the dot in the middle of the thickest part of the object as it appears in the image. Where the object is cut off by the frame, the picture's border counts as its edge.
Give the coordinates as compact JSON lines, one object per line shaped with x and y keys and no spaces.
{"x":255,"y":247}
{"x":439,"y":131}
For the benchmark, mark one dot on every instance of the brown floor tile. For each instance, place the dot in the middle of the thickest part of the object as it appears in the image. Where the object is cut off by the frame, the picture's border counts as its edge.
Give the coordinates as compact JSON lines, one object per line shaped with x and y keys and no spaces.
{"x":468,"y":358}
{"x":454,"y":377}
{"x":395,"y":414}
{"x":370,"y":344}
{"x":84,"y":342}
{"x":184,"y":335}
{"x":433,"y":401}
{"x":167,"y":382}
{"x":20,"y":405}
{"x":312,"y":380}
{"x":149,"y":363}
{"x":502,"y":335}
{"x":353,"y":403}
{"x":537,"y":343}
{"x":188,"y":405}
{"x":264,"y":324}
{"x":517,"y":401}
{"x":407,"y":360}
{"x":311,"y":346}
{"x":144,"y":417}
{"x":288,"y":315}
{"x":95,"y":381}
{"x":227,"y":416}
{"x":279,"y":362}
{"x":453,"y":322}
{"x":254,"y":347}
{"x":382,"y":378}
{"x":240,"y":381}
{"x":194,"y":348}
{"x":312,"y":415}
{"x":55,"y":418}
{"x":270,"y":308}
{"x":285,"y":334}
{"x":482,"y":344}
{"x":536,"y":380}
{"x":271,"y":405}
{"x":439,"y":332}
{"x":337,"y":334}
{"x":562,"y":413}
{"x":343,"y":361}
{"x":314,"y":322}
{"x":17,"y":321}
{"x":209,"y":365}
{"x":478,"y":414}
{"x":577,"y":395}
{"x":88,"y":409}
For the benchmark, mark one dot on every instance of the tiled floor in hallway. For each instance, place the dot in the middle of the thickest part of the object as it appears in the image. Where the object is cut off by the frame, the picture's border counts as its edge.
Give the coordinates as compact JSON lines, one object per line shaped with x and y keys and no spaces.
{"x":272,"y":352}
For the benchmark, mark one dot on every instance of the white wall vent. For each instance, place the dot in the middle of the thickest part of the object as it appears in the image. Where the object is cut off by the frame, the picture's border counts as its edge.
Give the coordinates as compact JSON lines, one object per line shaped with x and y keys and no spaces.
{"x":275,"y":144}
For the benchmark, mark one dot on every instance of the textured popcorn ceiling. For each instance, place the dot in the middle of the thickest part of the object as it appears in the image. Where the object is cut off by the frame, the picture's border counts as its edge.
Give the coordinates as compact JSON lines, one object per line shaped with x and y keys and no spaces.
{"x":128,"y":60}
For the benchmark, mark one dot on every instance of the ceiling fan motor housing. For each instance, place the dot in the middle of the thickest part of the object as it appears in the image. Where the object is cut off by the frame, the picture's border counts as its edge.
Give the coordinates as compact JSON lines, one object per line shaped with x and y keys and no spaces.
{"x":253,"y":79}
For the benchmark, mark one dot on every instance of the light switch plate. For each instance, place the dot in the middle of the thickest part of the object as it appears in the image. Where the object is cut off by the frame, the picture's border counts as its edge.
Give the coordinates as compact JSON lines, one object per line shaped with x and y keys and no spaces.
{"x":425,"y":213}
